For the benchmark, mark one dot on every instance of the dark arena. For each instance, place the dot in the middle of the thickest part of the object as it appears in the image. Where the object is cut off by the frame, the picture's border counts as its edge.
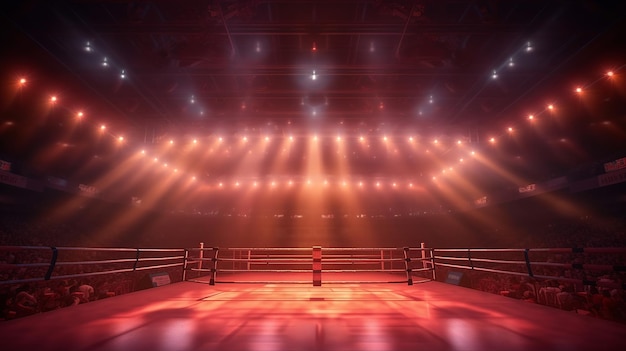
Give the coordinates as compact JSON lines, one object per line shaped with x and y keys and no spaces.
{"x":329,"y":175}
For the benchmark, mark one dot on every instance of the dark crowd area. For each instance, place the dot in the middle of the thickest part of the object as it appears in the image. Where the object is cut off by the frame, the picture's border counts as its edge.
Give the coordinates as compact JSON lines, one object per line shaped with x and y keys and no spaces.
{"x":604,"y":295}
{"x":554,"y":220}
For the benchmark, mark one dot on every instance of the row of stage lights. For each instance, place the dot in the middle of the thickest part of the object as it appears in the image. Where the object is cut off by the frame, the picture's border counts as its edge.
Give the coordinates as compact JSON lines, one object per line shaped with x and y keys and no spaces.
{"x":580,"y":90}
{"x":339,"y":138}
{"x":552,"y":107}
{"x":365,"y":140}
{"x":510,"y":63}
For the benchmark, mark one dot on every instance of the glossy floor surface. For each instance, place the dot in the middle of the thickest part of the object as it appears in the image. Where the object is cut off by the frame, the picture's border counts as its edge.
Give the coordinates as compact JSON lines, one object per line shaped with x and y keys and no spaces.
{"x":262,"y":317}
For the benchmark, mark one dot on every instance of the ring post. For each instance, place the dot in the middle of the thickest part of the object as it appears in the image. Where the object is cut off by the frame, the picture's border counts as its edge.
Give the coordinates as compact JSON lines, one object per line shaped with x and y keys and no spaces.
{"x":317,"y":266}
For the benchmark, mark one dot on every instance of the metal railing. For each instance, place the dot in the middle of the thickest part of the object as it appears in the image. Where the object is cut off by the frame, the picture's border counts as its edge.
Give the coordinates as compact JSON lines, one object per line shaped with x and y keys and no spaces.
{"x":540,"y":263}
{"x":41,"y":263}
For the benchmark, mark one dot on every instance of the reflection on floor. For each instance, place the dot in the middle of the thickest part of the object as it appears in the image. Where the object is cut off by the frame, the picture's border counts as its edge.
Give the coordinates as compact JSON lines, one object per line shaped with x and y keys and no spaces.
{"x":261,"y":317}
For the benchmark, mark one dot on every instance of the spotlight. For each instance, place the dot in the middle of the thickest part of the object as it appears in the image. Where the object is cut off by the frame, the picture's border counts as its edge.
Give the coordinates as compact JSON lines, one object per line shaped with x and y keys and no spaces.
{"x":529,"y":47}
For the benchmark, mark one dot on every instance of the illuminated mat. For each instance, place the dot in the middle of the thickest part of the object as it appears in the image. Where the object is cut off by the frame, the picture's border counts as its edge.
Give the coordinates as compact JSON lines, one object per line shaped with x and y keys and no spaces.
{"x":395,"y":317}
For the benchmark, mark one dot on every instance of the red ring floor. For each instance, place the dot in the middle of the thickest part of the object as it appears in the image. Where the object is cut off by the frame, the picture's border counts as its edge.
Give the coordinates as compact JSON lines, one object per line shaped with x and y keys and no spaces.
{"x":262,"y":317}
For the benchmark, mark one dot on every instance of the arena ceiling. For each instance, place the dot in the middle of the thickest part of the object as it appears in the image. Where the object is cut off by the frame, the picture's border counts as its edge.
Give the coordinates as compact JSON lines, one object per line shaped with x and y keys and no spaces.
{"x":435,"y":72}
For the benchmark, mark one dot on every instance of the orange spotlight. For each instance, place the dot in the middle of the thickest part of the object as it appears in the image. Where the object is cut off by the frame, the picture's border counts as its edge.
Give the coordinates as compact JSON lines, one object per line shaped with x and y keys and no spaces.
{"x":579,"y":90}
{"x":531,"y":117}
{"x":171,"y":142}
{"x":22,"y":81}
{"x":102,"y":127}
{"x":551,"y":107}
{"x":492,"y":140}
{"x":79,"y":114}
{"x":53,"y":99}
{"x":609,"y":73}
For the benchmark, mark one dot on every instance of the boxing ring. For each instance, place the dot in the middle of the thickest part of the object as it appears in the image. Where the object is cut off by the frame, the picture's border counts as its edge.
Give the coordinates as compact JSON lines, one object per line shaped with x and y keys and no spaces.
{"x":308,"y":299}
{"x":336,"y":265}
